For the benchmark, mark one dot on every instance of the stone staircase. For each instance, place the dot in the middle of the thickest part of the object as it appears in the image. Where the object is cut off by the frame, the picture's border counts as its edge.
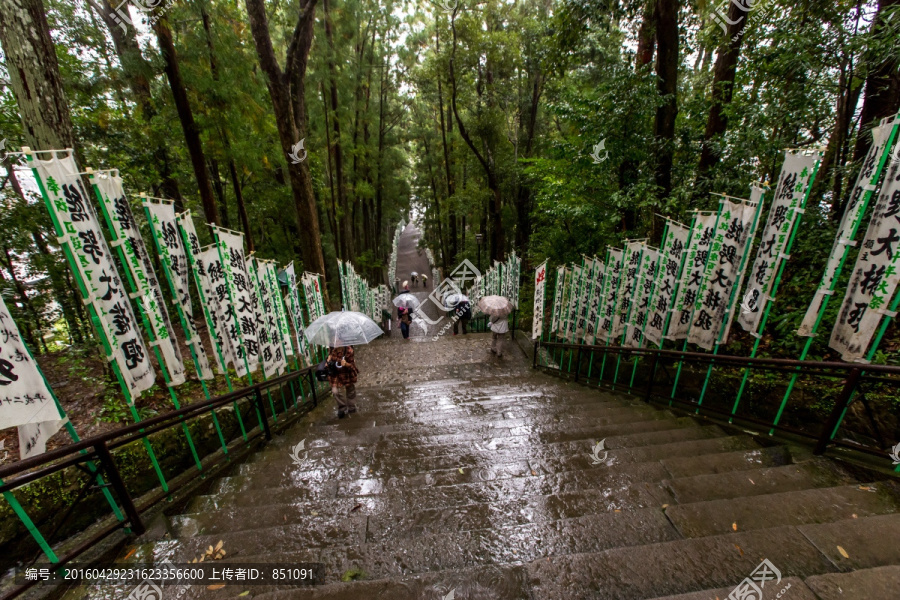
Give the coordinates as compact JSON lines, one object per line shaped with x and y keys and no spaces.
{"x":469,"y":478}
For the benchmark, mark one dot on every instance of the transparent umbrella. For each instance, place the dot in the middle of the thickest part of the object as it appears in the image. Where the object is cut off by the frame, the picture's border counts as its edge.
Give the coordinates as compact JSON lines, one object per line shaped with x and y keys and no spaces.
{"x":406,"y":301}
{"x":342,"y":328}
{"x":495,"y":306}
{"x":451,"y":301}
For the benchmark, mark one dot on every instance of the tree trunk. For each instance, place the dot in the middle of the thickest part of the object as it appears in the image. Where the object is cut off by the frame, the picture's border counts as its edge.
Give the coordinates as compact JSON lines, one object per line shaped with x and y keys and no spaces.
{"x":339,"y":246}
{"x":667,"y":86}
{"x":448,"y":169}
{"x":30,"y":59}
{"x":288,"y":103}
{"x":186,"y":116}
{"x":242,"y":207}
{"x":882,"y":95}
{"x":722,"y":91}
{"x":646,"y":36}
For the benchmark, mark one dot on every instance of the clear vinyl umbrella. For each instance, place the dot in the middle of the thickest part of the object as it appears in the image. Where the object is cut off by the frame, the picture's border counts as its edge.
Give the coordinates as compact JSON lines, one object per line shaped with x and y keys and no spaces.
{"x":406,"y":300}
{"x":495,"y":306}
{"x":451,"y":301}
{"x":342,"y":328}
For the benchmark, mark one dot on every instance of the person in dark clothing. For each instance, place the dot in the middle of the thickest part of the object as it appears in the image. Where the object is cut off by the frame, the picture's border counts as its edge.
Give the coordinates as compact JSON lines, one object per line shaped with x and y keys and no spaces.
{"x":463,"y":312}
{"x":342,"y":375}
{"x":405,"y":316}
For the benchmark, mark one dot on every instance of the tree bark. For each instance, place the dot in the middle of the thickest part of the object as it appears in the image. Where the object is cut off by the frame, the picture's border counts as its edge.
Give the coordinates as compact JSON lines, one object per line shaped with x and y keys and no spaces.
{"x":286,"y":90}
{"x":722,"y":91}
{"x":646,"y":36}
{"x":667,"y":87}
{"x":186,"y":116}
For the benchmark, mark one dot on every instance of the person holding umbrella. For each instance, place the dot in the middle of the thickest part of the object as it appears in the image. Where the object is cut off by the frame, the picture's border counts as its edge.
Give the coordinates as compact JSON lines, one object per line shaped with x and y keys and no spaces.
{"x":406,"y":303}
{"x":342,"y":375}
{"x":497,"y":308}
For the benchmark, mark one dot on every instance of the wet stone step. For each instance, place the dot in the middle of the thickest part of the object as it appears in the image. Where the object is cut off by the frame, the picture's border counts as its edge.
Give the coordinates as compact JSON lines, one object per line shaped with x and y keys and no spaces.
{"x":816,"y":473}
{"x":880,"y":583}
{"x":822,"y":505}
{"x":711,"y":464}
{"x":868,"y":542}
{"x":672,"y":568}
{"x":794,"y":589}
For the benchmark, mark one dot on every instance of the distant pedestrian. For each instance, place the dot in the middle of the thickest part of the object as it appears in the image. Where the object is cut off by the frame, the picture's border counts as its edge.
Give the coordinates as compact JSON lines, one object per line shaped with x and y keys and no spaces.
{"x":405,"y":316}
{"x":424,"y":281}
{"x":463,"y":312}
{"x":405,"y":285}
{"x":397,"y":286}
{"x":414,"y":277}
{"x":342,"y":374}
{"x":499,"y":328}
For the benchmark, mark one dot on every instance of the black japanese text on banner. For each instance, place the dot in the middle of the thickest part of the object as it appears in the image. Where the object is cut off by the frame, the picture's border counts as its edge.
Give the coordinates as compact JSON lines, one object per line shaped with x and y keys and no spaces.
{"x":587,"y":280}
{"x":540,"y":285}
{"x":756,"y":199}
{"x":164,"y":226}
{"x":793,"y":183}
{"x":875,"y":276}
{"x":596,"y":297}
{"x":269,"y":352}
{"x":275,"y":319}
{"x":691,"y":275}
{"x":629,"y":286}
{"x":242,"y":329}
{"x":853,"y":214}
{"x":611,"y":284}
{"x":91,"y":258}
{"x":722,"y":270}
{"x":575,"y":284}
{"x":208,"y":267}
{"x":637,"y":320}
{"x":669,"y":267}
{"x":124,"y":230}
{"x":295,"y":308}
{"x":556,"y":316}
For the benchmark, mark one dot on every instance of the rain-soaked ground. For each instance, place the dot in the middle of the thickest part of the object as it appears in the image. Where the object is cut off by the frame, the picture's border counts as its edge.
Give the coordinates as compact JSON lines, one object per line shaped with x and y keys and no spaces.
{"x":467,"y":477}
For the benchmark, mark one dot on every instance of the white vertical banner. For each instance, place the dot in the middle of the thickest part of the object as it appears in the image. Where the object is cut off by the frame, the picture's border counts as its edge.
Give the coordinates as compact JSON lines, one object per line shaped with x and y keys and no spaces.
{"x":721,"y":272}
{"x":81,"y":233}
{"x":266,"y":332}
{"x":540,"y":285}
{"x":634,"y":335}
{"x":629,"y":286}
{"x":584,"y":298}
{"x":756,"y":198}
{"x":295,"y":309}
{"x":281,"y":325}
{"x":661,"y":300}
{"x":594,"y":301}
{"x":691,"y":275}
{"x":242,"y":329}
{"x":574,"y":296}
{"x":556,"y":315}
{"x":25,"y":397}
{"x":793,"y":183}
{"x":853,"y":214}
{"x":164,"y":226}
{"x":212,"y":280}
{"x":875,"y":275}
{"x":611,"y":283}
{"x":124,"y":229}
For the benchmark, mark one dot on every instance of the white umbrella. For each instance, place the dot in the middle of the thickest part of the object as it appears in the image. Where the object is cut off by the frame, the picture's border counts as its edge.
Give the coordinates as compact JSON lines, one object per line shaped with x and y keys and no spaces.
{"x":413,"y":273}
{"x":342,"y":328}
{"x":454,"y":300}
{"x":406,"y":300}
{"x":495,"y":306}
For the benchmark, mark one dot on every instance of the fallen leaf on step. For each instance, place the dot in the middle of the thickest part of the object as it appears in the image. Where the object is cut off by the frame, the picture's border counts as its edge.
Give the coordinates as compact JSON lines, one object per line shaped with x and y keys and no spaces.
{"x":215,"y":586}
{"x":739,"y":549}
{"x":665,"y":506}
{"x":617,"y":510}
{"x":533,"y":473}
{"x":130,"y":552}
{"x":356,"y":508}
{"x":751,"y":481}
{"x":209,"y":550}
{"x":460,"y":470}
{"x":843,"y":552}
{"x":244,"y":593}
{"x":219,"y":546}
{"x":854,"y":516}
{"x":314,"y":513}
{"x":734,"y":525}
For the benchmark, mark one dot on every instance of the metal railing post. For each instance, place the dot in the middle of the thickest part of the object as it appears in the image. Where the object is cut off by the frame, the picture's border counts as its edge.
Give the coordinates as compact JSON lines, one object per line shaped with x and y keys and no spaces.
{"x":840,"y":405}
{"x":649,"y":393}
{"x":312,"y":384}
{"x":115,"y":480}
{"x":577,"y":363}
{"x":537,"y":344}
{"x":264,"y":419}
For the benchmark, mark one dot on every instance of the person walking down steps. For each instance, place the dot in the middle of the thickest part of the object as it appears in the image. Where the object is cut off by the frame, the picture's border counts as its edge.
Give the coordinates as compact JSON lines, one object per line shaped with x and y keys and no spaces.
{"x":342,"y":374}
{"x":499,"y":328}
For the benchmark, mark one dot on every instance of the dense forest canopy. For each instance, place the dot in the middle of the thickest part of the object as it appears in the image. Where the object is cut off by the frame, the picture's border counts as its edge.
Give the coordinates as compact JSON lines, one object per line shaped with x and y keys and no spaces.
{"x":552,"y":127}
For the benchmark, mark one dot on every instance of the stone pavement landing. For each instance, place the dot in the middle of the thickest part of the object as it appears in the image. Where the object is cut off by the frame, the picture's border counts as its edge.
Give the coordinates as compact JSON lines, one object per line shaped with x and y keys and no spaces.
{"x":470,"y":479}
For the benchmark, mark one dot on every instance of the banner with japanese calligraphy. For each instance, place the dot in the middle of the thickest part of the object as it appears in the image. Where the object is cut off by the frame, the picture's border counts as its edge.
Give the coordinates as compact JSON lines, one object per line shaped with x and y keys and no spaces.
{"x":662,"y":296}
{"x":313,"y":293}
{"x":124,"y":231}
{"x":295,"y":309}
{"x":691,"y":275}
{"x":793,"y":183}
{"x":24,"y":395}
{"x":595,"y":300}
{"x":173,"y":256}
{"x":574,"y":291}
{"x":628,"y":288}
{"x":556,"y":314}
{"x":584,"y":300}
{"x":265,"y":325}
{"x":540,"y":284}
{"x":637,"y":319}
{"x":80,"y":231}
{"x":853,"y":214}
{"x":209,"y":270}
{"x":875,"y":275}
{"x":242,"y":329}
{"x":612,"y":280}
{"x":715,"y":297}
{"x":33,"y":436}
{"x":284,"y":347}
